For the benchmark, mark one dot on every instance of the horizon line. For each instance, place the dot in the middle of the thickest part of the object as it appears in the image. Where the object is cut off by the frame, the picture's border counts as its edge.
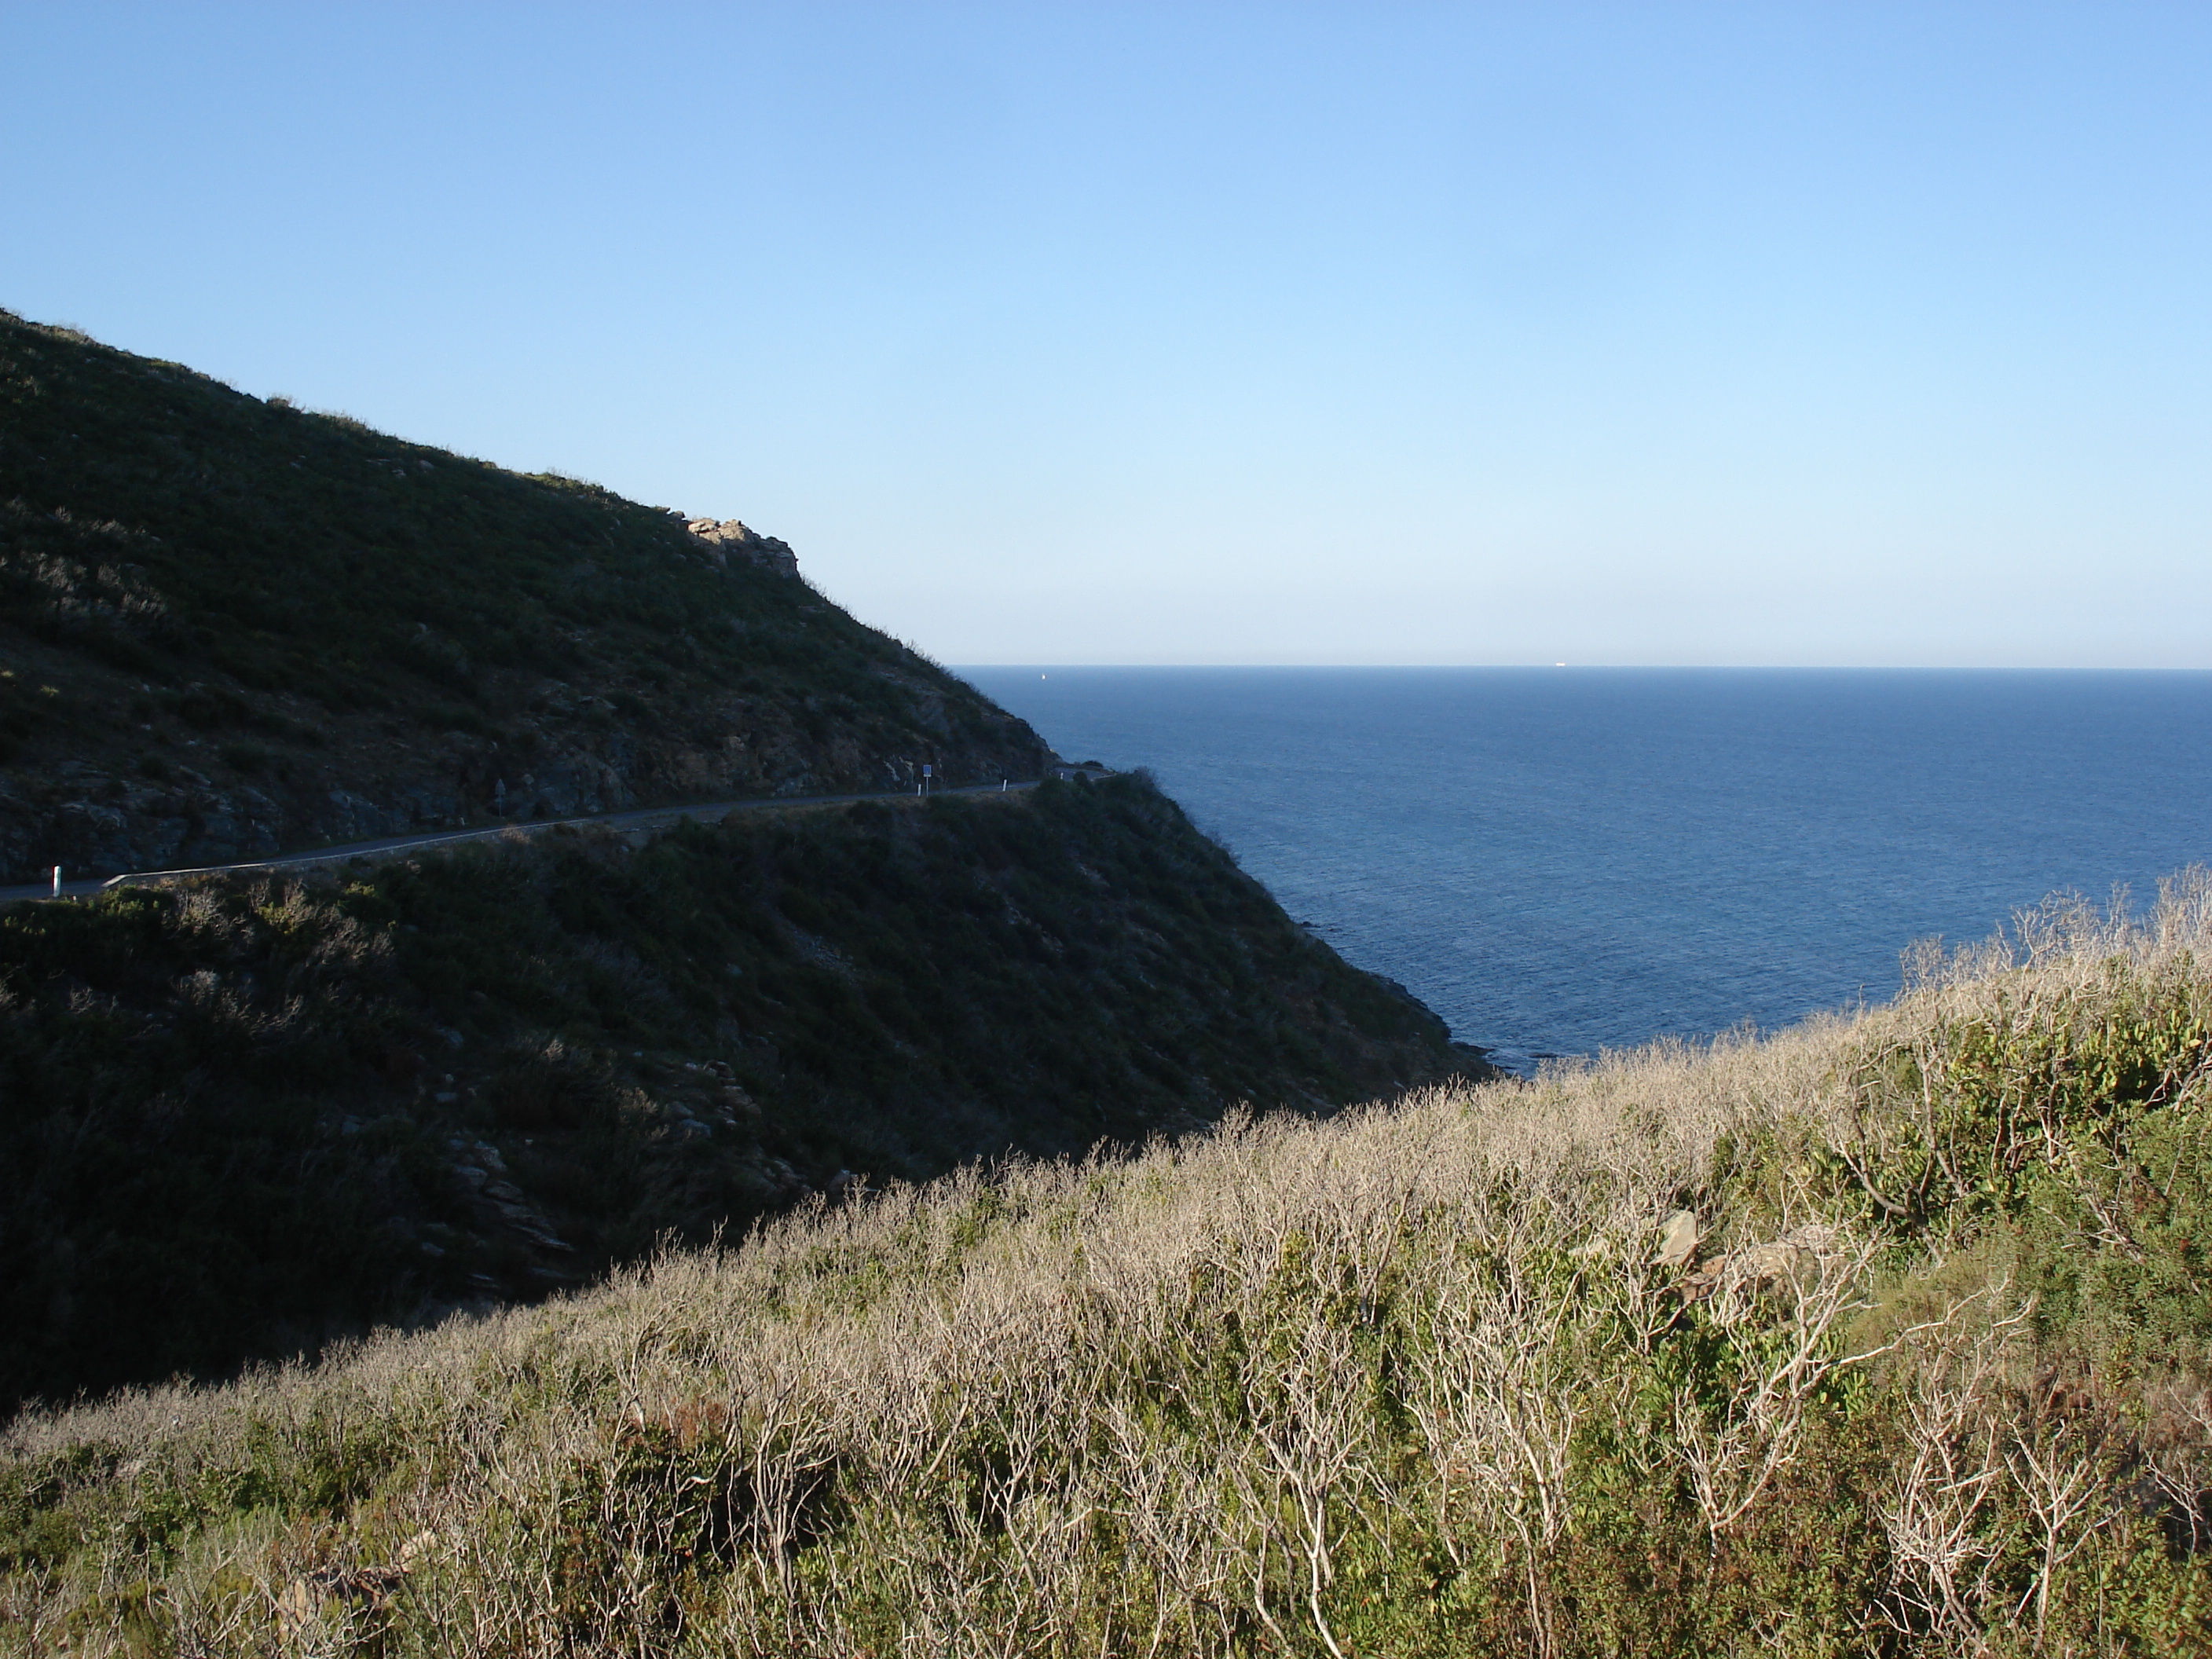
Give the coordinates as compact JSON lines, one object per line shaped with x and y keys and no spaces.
{"x":1626,"y":667}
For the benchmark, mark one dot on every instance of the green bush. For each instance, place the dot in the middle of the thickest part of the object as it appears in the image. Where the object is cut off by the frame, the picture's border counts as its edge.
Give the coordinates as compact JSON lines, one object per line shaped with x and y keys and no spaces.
{"x":1441,"y":1377}
{"x":244,"y":757}
{"x":551,"y":1087}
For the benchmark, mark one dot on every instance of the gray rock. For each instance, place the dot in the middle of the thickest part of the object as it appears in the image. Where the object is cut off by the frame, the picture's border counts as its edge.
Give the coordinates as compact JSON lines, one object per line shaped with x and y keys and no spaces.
{"x":356,"y":817}
{"x":1678,"y":1240}
{"x":1773,"y":1264}
{"x":541,"y":1234}
{"x":728,"y":540}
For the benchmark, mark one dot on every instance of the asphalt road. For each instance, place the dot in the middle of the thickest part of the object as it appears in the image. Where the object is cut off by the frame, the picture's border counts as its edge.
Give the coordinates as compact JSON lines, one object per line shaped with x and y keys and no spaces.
{"x":651,"y":817}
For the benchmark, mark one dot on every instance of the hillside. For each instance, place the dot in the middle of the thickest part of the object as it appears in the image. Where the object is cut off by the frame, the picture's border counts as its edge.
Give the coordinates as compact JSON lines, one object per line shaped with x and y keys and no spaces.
{"x":241,"y":1116}
{"x":230,"y":626}
{"x":246,"y":1114}
{"x":1887,"y":1335}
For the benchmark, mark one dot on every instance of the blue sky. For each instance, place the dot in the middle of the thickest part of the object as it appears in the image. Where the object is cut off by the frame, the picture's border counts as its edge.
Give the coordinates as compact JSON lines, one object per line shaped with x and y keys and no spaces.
{"x":1651,"y":333}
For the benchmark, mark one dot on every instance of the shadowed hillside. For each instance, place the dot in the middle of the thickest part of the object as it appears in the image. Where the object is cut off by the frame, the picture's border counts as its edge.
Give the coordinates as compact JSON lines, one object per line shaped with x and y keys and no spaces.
{"x":229,"y":627}
{"x":244,"y":1113}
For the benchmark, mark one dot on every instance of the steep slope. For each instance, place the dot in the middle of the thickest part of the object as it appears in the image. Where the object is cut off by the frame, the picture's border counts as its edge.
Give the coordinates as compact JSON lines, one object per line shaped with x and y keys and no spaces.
{"x":1888,"y":1336}
{"x":229,"y":627}
{"x":242,"y":1115}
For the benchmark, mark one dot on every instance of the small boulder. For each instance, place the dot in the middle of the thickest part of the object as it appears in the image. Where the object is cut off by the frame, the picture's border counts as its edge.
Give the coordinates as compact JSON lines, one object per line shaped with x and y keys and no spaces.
{"x":415,"y":1549}
{"x":1776,"y":1263}
{"x":1678,"y":1240}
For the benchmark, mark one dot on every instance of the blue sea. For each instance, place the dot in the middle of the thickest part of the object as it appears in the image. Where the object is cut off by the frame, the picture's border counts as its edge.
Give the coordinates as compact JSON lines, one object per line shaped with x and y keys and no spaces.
{"x":1563,"y":861}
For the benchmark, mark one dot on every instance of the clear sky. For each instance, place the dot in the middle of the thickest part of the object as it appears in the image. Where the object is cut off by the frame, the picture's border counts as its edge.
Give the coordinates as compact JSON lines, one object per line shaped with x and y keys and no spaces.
{"x":1378,"y":333}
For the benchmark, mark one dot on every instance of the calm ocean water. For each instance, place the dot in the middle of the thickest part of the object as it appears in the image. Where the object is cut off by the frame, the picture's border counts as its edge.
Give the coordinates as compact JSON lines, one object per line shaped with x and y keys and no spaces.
{"x":1565,"y":859}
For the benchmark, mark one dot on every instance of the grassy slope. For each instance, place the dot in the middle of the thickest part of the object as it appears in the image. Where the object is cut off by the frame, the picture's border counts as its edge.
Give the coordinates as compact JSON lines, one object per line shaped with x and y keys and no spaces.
{"x":244,"y":1113}
{"x":1409,"y":1381}
{"x":214,"y":611}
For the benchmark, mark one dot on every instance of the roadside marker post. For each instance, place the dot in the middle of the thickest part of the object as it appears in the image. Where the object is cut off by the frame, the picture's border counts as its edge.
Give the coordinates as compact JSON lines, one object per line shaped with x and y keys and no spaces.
{"x":57,"y":881}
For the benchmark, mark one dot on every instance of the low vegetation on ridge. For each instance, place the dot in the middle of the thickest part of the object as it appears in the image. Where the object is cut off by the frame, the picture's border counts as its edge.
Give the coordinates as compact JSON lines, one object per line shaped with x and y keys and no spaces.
{"x":231,"y":627}
{"x":1887,"y":1334}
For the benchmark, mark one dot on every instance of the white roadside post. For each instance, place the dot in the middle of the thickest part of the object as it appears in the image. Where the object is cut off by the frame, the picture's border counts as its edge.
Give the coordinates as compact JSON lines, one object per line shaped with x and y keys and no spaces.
{"x":57,"y":881}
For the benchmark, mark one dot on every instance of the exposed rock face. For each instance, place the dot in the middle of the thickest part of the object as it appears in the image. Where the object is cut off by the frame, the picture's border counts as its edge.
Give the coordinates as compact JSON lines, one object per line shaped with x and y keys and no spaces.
{"x":1678,"y":1240}
{"x":728,"y":539}
{"x":92,"y":822}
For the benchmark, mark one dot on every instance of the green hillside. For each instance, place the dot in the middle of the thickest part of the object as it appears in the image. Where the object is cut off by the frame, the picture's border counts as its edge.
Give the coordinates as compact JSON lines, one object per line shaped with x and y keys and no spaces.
{"x":1886,"y":1336}
{"x":229,"y":627}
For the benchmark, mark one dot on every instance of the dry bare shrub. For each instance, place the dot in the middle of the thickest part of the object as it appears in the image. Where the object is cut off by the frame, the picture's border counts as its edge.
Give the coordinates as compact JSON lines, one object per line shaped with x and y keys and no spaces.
{"x":1940,"y":1547}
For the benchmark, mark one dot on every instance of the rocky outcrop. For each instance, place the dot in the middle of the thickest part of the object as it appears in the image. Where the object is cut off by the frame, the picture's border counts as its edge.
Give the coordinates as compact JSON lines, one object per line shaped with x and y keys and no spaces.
{"x":728,"y":539}
{"x":89,"y":821}
{"x":1793,"y":1262}
{"x":92,"y":823}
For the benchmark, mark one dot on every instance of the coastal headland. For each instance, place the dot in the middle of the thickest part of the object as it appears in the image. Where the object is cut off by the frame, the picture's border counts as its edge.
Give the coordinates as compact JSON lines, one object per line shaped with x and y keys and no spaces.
{"x":970,"y":1222}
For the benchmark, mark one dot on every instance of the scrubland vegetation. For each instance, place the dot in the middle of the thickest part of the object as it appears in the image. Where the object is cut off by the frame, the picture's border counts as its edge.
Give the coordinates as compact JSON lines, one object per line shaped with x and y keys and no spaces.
{"x":229,"y":625}
{"x":1923,"y":1369}
{"x":159,"y":521}
{"x":244,"y":1113}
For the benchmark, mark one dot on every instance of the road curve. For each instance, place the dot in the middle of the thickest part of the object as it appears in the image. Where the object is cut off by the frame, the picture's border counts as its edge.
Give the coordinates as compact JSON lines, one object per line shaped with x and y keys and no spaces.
{"x":646,"y":818}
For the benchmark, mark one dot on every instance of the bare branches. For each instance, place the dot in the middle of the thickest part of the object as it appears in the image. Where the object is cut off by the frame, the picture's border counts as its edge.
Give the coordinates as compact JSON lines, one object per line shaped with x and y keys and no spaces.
{"x":1184,"y":1403}
{"x":1777,"y":1305}
{"x":1955,"y":1459}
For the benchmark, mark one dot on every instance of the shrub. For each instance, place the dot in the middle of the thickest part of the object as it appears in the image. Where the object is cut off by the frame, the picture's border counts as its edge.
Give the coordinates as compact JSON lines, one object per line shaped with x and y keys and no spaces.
{"x":1417,"y":1380}
{"x":550,"y":1086}
{"x":244,"y":757}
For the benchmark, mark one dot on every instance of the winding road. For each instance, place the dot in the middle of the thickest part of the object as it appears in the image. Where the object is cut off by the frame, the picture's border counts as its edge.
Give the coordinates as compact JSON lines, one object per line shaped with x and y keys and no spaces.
{"x":646,"y":819}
